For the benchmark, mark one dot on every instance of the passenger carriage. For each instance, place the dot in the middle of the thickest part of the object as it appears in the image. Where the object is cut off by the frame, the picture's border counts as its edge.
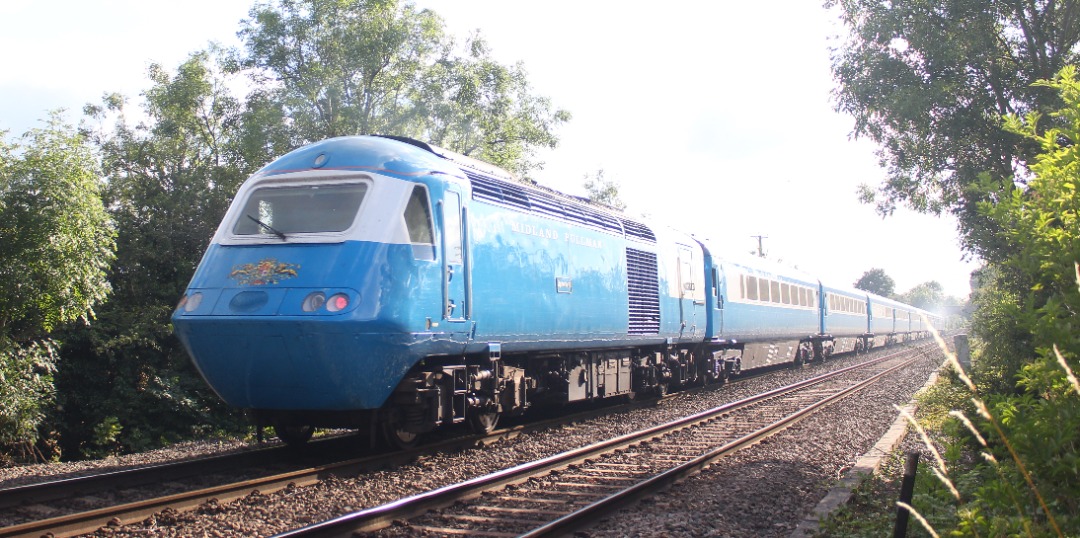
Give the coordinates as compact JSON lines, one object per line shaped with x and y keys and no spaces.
{"x":772,"y":311}
{"x":845,"y":322}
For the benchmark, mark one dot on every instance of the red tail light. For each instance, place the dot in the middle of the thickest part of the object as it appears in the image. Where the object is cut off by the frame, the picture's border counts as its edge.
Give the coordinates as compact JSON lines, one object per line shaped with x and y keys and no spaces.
{"x":337,"y":302}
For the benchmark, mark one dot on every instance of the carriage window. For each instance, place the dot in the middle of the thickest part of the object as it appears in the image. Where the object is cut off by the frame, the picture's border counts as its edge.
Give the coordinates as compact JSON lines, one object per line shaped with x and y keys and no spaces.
{"x":751,"y":288}
{"x":763,"y":289}
{"x":311,"y":208}
{"x":785,"y":293}
{"x":418,"y":221}
{"x":775,"y":288}
{"x":802,"y":297}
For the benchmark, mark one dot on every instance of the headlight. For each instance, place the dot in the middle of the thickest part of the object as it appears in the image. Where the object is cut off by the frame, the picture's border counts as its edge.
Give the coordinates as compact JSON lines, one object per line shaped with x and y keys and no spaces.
{"x":313,"y":301}
{"x":191,"y":302}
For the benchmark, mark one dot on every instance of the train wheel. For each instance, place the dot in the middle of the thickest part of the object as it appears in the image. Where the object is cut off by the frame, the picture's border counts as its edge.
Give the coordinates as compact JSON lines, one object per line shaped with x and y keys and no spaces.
{"x":293,"y":435}
{"x":483,"y":422}
{"x":399,"y":438}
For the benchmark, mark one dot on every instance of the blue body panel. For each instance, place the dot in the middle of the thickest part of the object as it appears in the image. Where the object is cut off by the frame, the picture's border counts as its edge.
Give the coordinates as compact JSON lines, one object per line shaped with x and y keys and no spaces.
{"x":897,"y":320}
{"x":537,"y":284}
{"x":748,"y":320}
{"x":838,"y":323}
{"x":275,"y":356}
{"x":519,"y":261}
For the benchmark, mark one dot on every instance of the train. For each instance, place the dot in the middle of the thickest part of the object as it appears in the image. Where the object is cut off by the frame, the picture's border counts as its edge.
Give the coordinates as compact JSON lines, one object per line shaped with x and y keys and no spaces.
{"x":385,"y":284}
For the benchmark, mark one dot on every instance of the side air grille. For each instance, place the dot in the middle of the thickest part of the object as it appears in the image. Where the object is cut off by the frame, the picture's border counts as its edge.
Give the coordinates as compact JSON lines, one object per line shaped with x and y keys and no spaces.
{"x":644,"y":291}
{"x":638,"y":230}
{"x":537,"y":201}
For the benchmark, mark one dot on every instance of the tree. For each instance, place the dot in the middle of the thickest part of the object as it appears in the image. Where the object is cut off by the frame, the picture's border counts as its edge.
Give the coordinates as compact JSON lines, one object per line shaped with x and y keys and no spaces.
{"x":876,"y":281}
{"x":929,"y":82}
{"x":1028,"y":325}
{"x":473,"y":105}
{"x":349,"y":67}
{"x":58,"y":242}
{"x":1041,"y":223}
{"x":603,"y":191}
{"x":316,"y":69}
{"x":929,"y":295}
{"x":126,"y":382}
{"x":340,"y":67}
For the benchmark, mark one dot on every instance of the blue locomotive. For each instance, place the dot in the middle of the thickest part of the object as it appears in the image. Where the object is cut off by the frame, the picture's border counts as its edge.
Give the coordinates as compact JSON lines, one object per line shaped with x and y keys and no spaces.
{"x":383,"y":283}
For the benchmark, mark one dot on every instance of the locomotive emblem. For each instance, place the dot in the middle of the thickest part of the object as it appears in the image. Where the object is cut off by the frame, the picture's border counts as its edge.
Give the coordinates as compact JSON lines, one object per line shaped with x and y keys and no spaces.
{"x":267,"y":271}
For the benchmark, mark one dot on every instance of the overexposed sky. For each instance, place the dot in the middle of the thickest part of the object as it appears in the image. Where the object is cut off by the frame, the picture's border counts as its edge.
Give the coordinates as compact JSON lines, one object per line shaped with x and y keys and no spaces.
{"x":714,"y":117}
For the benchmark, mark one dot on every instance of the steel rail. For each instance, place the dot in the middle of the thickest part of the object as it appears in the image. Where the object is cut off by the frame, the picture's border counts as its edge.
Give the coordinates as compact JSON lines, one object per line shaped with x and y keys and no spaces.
{"x":410,"y":507}
{"x":589,"y":514}
{"x":63,"y":488}
{"x":91,"y":520}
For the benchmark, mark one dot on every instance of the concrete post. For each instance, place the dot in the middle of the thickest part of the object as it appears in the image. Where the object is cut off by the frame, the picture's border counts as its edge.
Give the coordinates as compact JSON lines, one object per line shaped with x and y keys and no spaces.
{"x":963,"y":350}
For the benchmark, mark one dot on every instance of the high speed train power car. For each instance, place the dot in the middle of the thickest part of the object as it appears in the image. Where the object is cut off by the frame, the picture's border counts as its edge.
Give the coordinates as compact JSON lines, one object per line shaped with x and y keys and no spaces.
{"x":383,"y":283}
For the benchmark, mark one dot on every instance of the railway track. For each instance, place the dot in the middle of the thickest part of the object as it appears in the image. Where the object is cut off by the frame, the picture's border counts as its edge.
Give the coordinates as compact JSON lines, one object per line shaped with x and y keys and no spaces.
{"x":555,"y":495}
{"x":39,"y":503}
{"x":39,"y":498}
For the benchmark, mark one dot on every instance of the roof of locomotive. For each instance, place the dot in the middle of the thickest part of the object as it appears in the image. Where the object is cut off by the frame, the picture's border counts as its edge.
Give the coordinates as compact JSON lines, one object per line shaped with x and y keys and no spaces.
{"x":399,"y":156}
{"x":384,"y":155}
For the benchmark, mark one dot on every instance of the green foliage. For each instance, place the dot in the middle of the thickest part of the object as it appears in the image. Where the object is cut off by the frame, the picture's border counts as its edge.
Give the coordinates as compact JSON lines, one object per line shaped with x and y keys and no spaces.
{"x":1027,"y":305}
{"x":1014,"y":465}
{"x":105,"y":440}
{"x":26,"y":394}
{"x":473,"y":105}
{"x":1040,"y":227}
{"x":1028,"y":482}
{"x":1002,"y":342}
{"x":170,"y":179}
{"x":929,"y":82}
{"x":57,"y":238}
{"x":339,"y":67}
{"x":314,"y":69}
{"x":332,"y":68}
{"x":928,"y":295}
{"x":876,"y":281}
{"x":603,"y":191}
{"x":58,"y":242}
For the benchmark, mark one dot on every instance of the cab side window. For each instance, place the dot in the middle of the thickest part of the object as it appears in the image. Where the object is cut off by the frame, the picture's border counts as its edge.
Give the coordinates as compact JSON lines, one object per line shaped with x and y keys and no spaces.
{"x":418,"y":221}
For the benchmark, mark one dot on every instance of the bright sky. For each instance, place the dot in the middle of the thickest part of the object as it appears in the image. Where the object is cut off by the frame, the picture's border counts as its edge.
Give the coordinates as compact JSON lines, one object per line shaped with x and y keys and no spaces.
{"x":714,"y":117}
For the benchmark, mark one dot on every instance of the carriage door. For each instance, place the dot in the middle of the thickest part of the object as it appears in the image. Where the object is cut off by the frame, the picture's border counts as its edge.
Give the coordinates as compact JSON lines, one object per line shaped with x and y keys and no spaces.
{"x":688,"y":287}
{"x":719,"y":288}
{"x":455,"y":267}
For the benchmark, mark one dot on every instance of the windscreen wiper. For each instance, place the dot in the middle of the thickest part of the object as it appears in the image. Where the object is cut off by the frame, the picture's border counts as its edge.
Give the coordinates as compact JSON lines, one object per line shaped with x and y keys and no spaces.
{"x":268,"y":228}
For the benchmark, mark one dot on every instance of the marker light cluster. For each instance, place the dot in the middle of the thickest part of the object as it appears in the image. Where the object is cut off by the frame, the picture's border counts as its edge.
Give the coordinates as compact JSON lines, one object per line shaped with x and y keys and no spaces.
{"x":312,"y":303}
{"x":317,"y":300}
{"x":190,"y":302}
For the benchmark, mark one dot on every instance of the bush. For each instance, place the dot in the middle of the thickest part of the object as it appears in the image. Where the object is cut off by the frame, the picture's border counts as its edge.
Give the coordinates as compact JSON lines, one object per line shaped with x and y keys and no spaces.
{"x":26,"y":395}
